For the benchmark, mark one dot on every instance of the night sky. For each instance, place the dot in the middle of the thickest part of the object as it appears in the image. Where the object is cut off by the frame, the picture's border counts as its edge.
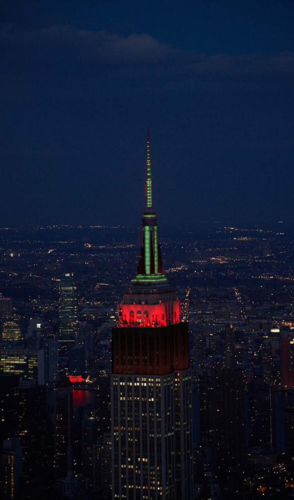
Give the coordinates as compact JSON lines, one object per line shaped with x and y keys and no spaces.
{"x":80,"y":82}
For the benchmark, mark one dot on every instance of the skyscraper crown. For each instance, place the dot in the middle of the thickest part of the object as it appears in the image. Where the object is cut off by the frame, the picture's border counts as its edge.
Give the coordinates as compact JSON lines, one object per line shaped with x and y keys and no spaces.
{"x":150,"y":268}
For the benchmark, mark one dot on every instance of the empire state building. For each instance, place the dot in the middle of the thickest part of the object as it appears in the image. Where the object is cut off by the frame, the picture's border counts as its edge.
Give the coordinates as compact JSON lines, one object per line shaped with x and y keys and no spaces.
{"x":151,"y":396}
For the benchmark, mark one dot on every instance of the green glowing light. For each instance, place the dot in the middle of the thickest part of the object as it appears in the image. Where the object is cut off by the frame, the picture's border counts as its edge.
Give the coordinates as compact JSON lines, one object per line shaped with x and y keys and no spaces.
{"x":149,"y":177}
{"x":147,"y":249}
{"x":151,"y":278}
{"x":155,"y":229}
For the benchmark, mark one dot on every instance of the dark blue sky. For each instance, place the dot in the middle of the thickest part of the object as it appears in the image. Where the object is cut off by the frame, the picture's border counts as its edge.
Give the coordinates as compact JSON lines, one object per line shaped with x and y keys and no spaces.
{"x":81,"y":81}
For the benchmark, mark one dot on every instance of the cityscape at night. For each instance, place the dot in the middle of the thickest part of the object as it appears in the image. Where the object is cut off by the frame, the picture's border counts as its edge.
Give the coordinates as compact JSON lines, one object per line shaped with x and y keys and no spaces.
{"x":146,"y":250}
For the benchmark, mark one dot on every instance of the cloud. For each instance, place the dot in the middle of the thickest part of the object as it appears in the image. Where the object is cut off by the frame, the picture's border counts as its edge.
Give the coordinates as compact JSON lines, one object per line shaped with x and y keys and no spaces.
{"x":131,"y":55}
{"x":84,"y":45}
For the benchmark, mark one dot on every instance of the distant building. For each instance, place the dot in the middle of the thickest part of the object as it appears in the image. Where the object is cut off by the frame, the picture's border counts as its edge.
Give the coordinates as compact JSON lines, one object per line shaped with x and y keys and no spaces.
{"x":222,"y":420}
{"x":35,"y":438}
{"x":10,"y":469}
{"x":11,"y":330}
{"x":76,"y":361}
{"x":68,"y":314}
{"x":5,"y":307}
{"x":287,"y":359}
{"x":102,"y":466}
{"x":68,"y":308}
{"x":43,"y":335}
{"x":9,"y":404}
{"x":85,"y":337}
{"x":261,"y":415}
{"x":39,"y":329}
{"x":27,"y":363}
{"x":63,"y":423}
{"x":289,"y":433}
{"x":269,"y":371}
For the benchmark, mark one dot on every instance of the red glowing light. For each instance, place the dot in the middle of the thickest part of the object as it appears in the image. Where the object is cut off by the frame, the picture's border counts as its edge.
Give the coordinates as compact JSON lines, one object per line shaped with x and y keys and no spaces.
{"x":149,"y":315}
{"x":76,"y":379}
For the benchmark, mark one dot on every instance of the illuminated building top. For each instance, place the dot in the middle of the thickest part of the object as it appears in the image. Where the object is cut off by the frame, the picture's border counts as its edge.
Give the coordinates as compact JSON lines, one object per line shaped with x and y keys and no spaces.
{"x":150,"y":269}
{"x":150,"y":302}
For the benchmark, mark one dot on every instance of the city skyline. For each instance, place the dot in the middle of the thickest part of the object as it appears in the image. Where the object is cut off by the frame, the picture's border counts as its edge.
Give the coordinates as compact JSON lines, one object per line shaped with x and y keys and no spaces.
{"x":155,"y":362}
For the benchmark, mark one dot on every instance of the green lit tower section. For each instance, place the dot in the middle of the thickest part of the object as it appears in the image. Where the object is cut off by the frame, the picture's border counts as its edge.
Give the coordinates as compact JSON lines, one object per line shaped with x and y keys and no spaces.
{"x":150,"y":269}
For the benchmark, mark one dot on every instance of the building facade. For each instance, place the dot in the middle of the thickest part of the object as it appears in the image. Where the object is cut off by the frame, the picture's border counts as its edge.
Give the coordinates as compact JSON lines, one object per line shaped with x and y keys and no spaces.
{"x":68,"y":313}
{"x":151,"y":396}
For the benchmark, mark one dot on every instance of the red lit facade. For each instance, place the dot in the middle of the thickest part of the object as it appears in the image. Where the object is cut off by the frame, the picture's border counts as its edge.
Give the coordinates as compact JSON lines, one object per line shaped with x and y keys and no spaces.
{"x":149,"y":315}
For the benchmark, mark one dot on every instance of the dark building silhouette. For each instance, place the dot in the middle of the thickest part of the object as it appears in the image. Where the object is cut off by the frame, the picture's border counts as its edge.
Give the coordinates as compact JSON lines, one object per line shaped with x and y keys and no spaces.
{"x":261,"y":415}
{"x":35,"y":439}
{"x":9,"y":404}
{"x":151,"y":382}
{"x":63,"y":439}
{"x":222,"y":420}
{"x":287,"y":359}
{"x":10,"y":469}
{"x":269,"y":371}
{"x":5,"y":307}
{"x":289,"y":434}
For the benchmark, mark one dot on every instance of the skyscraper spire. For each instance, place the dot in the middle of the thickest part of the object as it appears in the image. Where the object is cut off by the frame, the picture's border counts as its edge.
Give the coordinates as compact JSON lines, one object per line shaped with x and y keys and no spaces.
{"x":149,"y":175}
{"x":150,"y":269}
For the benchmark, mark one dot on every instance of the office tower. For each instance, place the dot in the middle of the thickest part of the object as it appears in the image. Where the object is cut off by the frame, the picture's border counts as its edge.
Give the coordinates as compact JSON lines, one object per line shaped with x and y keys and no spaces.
{"x":85,"y":338}
{"x":222,"y":420}
{"x":63,"y":421}
{"x":44,"y":338}
{"x":10,"y":469}
{"x":287,"y":359}
{"x":261,"y":414}
{"x":151,"y":382}
{"x":22,"y":361}
{"x":68,"y":313}
{"x":102,"y":446}
{"x":35,"y":439}
{"x":289,"y":433}
{"x":102,"y":467}
{"x":39,"y":329}
{"x":9,"y":406}
{"x":5,"y":307}
{"x":230,"y":360}
{"x":76,"y":361}
{"x":50,"y":347}
{"x":102,"y":405}
{"x":268,"y":366}
{"x":11,"y":330}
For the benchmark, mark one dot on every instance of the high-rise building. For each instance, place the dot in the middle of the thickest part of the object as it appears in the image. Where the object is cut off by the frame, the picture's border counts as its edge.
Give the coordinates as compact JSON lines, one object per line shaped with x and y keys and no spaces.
{"x":36,"y":440}
{"x":68,"y":313}
{"x":9,"y":404}
{"x":151,"y":382}
{"x":11,"y":330}
{"x":222,"y":421}
{"x":63,"y":421}
{"x":261,"y":414}
{"x":25,"y":362}
{"x":289,"y":432}
{"x":5,"y":307}
{"x":287,"y":358}
{"x":102,"y":467}
{"x":10,"y":469}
